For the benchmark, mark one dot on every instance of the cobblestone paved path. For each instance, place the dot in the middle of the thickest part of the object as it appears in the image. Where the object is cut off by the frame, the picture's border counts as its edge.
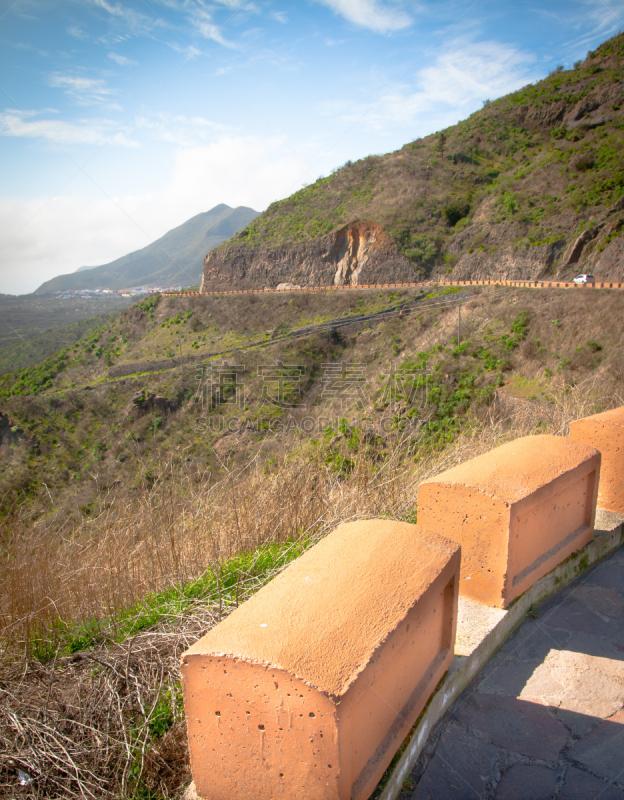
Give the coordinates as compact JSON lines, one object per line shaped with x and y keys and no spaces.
{"x":544,"y":719}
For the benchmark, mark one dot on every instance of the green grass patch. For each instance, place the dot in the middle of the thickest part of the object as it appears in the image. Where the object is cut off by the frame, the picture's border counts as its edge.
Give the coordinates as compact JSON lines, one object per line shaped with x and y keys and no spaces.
{"x":230,"y":583}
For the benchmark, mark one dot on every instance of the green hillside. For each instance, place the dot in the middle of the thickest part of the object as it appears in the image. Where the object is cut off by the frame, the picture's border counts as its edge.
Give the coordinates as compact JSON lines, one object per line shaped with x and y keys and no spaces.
{"x":34,"y":326}
{"x":520,"y":179}
{"x":80,"y":411}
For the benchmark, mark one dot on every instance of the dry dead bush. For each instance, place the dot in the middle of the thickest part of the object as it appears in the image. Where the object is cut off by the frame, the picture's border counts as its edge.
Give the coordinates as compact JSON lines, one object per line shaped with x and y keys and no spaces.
{"x":172,"y":532}
{"x":87,"y":725}
{"x":570,"y":402}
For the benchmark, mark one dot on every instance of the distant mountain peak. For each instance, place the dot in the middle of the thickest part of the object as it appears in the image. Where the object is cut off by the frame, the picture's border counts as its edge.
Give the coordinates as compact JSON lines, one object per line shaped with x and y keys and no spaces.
{"x":173,"y":260}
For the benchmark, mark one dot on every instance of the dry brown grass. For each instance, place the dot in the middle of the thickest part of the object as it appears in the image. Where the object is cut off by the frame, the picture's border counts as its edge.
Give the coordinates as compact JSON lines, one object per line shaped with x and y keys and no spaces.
{"x":91,"y":724}
{"x":186,"y":523}
{"x":172,"y":532}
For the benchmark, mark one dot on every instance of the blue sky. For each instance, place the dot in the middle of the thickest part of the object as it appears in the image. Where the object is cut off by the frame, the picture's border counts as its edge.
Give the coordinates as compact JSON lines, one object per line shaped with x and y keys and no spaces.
{"x":121,"y":119}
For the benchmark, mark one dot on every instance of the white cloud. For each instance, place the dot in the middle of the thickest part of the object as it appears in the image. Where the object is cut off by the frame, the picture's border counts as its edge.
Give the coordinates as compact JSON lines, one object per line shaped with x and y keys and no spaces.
{"x":464,"y":75}
{"x":211,"y":31}
{"x":207,"y":28}
{"x":370,"y":14}
{"x":30,"y":125}
{"x":78,"y":230}
{"x":592,"y":21}
{"x":179,"y":129}
{"x":237,"y":170}
{"x":65,"y":230}
{"x":121,"y":60}
{"x":77,"y":32}
{"x":607,"y":15}
{"x":26,"y":46}
{"x":83,"y":90}
{"x":135,"y":21}
{"x":189,"y":51}
{"x":238,"y":4}
{"x":598,"y":20}
{"x":280,"y":16}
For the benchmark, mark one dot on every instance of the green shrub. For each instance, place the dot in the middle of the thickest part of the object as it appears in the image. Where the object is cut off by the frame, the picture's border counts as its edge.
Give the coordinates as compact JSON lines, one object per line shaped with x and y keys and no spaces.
{"x":510,"y":202}
{"x":455,"y":211}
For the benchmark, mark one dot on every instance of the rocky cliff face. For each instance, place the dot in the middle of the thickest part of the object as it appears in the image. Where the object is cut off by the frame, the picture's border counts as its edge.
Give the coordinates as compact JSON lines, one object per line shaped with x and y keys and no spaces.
{"x":361,"y":252}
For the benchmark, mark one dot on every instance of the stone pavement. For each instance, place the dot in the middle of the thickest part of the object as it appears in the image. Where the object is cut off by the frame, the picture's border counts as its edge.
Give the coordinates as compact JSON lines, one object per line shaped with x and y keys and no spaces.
{"x":544,"y":719}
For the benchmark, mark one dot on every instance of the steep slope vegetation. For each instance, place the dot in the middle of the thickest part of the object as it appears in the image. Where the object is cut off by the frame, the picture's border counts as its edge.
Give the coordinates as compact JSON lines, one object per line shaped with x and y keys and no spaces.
{"x":530,"y":185}
{"x":136,"y":511}
{"x":203,"y":380}
{"x":173,"y":259}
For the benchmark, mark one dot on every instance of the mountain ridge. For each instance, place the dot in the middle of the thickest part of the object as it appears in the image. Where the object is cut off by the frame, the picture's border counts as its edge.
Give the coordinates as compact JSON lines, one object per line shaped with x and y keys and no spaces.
{"x":174,"y":258}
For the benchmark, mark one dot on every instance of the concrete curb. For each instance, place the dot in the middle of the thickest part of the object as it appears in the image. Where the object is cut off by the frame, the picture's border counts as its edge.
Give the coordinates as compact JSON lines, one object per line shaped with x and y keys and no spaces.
{"x":481,"y":630}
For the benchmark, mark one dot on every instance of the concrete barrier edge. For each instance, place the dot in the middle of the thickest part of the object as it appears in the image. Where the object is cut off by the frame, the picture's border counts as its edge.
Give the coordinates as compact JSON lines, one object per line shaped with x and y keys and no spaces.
{"x":464,"y":668}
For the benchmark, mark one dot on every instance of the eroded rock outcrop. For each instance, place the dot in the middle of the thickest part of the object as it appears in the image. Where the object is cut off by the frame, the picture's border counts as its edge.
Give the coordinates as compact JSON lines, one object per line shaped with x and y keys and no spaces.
{"x":359,"y":253}
{"x":490,"y":250}
{"x":153,"y":401}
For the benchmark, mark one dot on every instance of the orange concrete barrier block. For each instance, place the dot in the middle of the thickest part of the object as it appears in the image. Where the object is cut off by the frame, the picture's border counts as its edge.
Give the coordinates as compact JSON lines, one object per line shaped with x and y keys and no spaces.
{"x":517,"y":512}
{"x":308,"y":689}
{"x":605,"y":432}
